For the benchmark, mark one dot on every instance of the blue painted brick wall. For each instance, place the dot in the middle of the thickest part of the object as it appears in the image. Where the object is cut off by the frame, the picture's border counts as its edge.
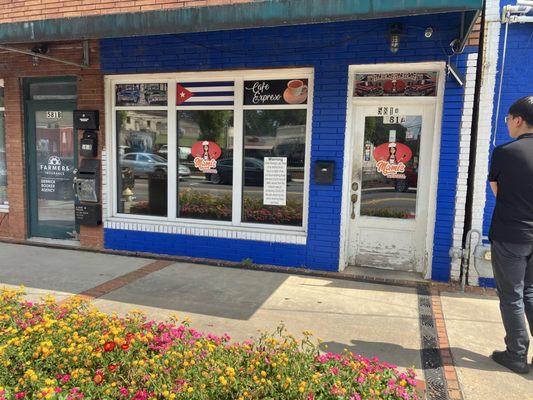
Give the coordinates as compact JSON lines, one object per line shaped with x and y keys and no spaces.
{"x":517,"y":83}
{"x":329,"y":49}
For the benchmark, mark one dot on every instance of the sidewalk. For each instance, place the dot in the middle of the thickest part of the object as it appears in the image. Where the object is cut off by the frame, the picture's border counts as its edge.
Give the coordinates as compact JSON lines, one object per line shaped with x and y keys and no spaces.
{"x":367,"y":318}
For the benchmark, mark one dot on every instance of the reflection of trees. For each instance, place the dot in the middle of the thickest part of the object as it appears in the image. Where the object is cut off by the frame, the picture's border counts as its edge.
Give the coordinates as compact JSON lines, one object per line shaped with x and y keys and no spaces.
{"x":266,"y":122}
{"x":377,"y":132}
{"x":213,"y":124}
{"x":121,"y":119}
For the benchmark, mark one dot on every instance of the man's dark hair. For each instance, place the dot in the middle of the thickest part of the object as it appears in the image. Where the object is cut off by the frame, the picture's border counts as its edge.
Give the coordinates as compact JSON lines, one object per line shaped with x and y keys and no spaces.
{"x":523,"y":108}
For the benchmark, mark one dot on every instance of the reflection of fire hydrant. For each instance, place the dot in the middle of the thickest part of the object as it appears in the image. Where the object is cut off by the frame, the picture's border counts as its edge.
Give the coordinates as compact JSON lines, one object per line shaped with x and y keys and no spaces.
{"x":127,"y":198}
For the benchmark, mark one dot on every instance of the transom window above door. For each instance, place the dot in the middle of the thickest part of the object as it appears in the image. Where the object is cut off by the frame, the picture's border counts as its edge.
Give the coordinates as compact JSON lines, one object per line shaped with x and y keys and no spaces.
{"x":213,"y":148}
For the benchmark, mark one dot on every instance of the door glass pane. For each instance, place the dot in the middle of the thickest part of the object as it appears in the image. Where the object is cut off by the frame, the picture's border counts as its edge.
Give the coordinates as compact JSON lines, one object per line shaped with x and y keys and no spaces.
{"x":142,"y":180}
{"x":52,"y":90}
{"x":54,"y":147}
{"x":390,"y":166}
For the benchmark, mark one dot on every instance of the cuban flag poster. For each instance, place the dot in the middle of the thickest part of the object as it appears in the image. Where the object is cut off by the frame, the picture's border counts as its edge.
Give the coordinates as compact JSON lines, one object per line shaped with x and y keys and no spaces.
{"x":205,"y":94}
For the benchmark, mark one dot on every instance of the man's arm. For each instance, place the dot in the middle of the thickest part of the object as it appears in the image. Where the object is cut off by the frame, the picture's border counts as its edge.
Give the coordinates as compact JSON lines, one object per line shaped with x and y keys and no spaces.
{"x":494,"y":187}
{"x":494,"y":171}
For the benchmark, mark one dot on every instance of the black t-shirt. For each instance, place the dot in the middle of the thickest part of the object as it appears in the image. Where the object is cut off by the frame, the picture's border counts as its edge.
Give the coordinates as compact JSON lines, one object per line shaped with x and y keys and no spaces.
{"x":512,"y":168}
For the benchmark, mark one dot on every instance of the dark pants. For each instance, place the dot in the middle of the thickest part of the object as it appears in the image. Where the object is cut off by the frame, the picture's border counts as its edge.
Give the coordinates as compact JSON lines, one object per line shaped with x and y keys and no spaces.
{"x":513,"y":272}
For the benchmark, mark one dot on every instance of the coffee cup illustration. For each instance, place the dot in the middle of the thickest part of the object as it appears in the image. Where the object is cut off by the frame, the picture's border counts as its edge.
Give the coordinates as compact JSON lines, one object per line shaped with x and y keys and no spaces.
{"x":296,"y":87}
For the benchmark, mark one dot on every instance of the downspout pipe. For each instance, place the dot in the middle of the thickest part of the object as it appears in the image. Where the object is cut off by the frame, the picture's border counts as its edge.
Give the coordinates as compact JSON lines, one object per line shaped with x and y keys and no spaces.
{"x":473,"y":144}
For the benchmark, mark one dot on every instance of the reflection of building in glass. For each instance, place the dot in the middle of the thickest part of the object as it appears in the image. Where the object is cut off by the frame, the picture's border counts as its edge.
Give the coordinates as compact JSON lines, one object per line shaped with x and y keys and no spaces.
{"x":142,"y":131}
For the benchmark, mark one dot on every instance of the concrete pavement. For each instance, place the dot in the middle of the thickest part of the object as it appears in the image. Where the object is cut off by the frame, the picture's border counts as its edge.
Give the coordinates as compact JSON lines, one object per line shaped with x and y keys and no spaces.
{"x":367,"y":318}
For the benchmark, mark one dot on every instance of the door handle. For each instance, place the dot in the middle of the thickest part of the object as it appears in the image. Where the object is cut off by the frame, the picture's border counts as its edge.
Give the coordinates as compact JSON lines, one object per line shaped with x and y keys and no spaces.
{"x":353,"y":199}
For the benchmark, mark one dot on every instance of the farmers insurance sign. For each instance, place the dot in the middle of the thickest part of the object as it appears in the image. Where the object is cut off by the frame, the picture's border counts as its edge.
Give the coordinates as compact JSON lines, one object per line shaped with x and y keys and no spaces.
{"x":55,"y":178}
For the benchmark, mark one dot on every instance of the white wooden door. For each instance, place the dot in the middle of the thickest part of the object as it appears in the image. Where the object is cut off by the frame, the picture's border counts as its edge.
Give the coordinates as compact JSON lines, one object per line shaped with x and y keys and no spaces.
{"x":390,"y":187}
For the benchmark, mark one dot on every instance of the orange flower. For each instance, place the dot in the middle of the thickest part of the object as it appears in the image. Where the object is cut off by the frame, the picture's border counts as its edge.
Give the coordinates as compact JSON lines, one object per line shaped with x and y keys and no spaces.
{"x":125,"y":346}
{"x":98,"y":378}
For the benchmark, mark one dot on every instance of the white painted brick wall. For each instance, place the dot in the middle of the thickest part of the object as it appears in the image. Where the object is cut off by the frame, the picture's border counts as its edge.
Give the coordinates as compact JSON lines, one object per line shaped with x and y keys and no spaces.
{"x":464,"y":154}
{"x":486,"y":107}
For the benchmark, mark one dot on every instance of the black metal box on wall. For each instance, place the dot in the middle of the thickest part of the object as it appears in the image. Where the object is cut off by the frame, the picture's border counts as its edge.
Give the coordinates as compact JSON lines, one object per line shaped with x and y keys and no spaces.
{"x":86,"y":119}
{"x":87,"y":181}
{"x":324,"y":172}
{"x":89,"y":144}
{"x":88,"y":214}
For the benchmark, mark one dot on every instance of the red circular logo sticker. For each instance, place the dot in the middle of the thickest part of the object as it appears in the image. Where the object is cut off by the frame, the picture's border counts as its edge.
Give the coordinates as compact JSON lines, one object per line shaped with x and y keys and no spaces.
{"x":205,"y":155}
{"x":393,"y":152}
{"x":206,"y":150}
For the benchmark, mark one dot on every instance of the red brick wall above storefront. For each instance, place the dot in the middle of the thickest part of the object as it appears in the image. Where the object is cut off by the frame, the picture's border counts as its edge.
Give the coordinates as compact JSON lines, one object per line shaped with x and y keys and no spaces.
{"x":32,"y":10}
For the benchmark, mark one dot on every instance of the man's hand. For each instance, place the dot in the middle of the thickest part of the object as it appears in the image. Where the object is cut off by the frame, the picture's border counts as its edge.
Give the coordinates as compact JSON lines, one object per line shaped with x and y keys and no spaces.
{"x":494,"y":187}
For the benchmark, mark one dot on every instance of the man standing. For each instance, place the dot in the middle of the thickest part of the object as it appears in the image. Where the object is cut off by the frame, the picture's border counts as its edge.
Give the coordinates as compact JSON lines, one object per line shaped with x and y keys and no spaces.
{"x":511,"y":234}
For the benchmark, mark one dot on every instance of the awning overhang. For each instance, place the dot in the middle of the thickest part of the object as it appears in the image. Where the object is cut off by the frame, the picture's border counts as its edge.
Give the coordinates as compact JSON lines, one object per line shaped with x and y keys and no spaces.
{"x":254,"y":14}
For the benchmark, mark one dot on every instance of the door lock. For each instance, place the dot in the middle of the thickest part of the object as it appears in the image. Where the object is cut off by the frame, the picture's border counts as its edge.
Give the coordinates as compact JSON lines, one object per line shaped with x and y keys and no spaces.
{"x":355,"y":186}
{"x":353,"y":198}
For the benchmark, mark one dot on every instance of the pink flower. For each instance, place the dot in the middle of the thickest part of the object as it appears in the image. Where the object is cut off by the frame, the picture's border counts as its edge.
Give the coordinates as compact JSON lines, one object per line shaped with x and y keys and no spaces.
{"x":20,"y":395}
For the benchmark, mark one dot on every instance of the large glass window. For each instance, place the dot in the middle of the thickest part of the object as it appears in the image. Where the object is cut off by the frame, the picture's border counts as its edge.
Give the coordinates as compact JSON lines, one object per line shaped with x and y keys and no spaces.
{"x":3,"y":163}
{"x":273,"y":168}
{"x":205,"y":164}
{"x":236,"y":149}
{"x":142,"y":166}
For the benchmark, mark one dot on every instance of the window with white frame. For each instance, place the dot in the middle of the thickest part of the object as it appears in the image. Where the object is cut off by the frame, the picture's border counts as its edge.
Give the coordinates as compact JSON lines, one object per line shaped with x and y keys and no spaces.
{"x":3,"y":163}
{"x":213,"y":148}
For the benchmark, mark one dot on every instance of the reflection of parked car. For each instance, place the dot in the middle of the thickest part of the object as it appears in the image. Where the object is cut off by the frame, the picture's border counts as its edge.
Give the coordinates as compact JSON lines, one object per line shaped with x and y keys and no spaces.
{"x":156,"y":97}
{"x":183,"y":152}
{"x":147,"y":163}
{"x":253,"y":172}
{"x":411,"y":180}
{"x":128,"y":96}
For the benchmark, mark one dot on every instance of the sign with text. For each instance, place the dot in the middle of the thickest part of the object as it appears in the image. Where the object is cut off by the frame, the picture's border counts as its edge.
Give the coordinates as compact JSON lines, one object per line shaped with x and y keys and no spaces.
{"x":55,"y":178}
{"x":54,"y":114}
{"x":275,"y":181}
{"x":275,"y":92}
{"x":396,"y":84}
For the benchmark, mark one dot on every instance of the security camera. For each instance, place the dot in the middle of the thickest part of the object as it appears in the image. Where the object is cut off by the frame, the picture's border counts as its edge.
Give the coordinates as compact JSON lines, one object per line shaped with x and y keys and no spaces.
{"x":452,"y":69}
{"x":41,"y":48}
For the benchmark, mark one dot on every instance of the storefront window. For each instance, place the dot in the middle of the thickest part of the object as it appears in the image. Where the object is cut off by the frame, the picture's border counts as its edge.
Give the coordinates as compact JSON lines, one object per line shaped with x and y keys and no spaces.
{"x":205,"y":164}
{"x":274,"y":159}
{"x":142,"y":166}
{"x":209,"y":131}
{"x":3,"y":163}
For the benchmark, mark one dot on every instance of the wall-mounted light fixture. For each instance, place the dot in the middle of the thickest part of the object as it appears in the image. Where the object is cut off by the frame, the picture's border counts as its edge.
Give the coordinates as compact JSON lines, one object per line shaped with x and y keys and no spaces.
{"x":428,"y":32}
{"x":395,"y":33}
{"x":41,"y":48}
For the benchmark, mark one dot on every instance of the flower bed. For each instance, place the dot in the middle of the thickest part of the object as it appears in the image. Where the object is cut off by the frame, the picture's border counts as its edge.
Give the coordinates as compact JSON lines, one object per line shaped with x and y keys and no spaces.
{"x":72,"y":351}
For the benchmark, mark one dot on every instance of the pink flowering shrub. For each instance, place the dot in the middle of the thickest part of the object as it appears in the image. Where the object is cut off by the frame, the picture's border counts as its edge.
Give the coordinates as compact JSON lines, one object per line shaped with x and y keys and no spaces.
{"x":72,"y":351}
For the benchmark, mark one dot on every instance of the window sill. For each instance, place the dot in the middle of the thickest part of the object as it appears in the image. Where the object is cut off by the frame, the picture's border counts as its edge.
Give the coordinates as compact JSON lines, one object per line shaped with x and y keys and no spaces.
{"x":4,"y":209}
{"x":266,"y":234}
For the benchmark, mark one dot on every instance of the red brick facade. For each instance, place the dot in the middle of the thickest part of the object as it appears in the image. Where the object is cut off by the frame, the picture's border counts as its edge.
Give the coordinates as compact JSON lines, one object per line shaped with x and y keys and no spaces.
{"x":14,"y":67}
{"x":31,"y":10}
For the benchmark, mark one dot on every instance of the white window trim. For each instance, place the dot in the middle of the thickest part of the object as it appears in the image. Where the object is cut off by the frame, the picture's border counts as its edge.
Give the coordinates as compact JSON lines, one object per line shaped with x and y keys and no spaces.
{"x":234,"y":229}
{"x":4,"y":208}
